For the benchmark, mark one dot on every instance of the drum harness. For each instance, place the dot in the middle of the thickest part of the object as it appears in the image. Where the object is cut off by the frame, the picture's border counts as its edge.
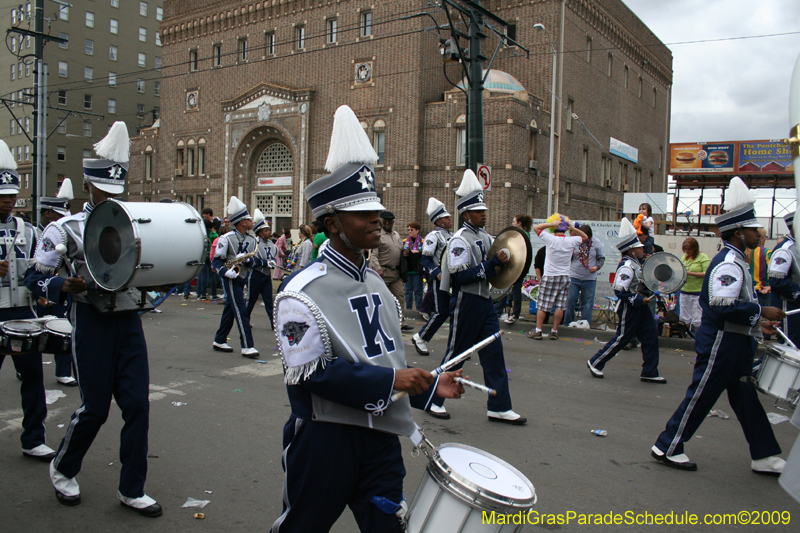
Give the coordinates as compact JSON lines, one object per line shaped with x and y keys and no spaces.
{"x":14,"y":297}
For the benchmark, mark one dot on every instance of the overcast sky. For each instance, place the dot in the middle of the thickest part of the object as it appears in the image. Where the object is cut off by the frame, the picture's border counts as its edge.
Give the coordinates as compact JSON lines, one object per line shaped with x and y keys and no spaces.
{"x":728,"y":90}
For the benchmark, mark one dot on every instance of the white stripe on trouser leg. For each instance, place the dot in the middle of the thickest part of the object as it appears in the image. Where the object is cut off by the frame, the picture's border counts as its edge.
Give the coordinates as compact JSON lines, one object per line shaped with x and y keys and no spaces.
{"x":236,"y":311}
{"x":435,"y":314}
{"x":454,"y":325}
{"x":82,"y":408}
{"x":279,"y":522}
{"x":622,"y":324}
{"x":678,"y":434}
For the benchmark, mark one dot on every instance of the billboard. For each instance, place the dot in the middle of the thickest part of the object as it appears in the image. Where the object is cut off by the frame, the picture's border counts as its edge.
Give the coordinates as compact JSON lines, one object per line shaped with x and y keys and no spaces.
{"x":737,"y":157}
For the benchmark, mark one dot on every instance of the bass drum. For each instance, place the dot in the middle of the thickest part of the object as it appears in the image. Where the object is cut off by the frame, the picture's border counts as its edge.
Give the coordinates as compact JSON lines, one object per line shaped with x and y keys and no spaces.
{"x":143,"y":244}
{"x":664,"y":273}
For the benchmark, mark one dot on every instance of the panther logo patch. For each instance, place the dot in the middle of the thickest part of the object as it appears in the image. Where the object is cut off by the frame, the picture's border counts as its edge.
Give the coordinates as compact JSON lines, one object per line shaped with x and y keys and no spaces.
{"x":294,"y":332}
{"x":624,"y":277}
{"x":779,"y":260}
{"x":727,"y":280}
{"x":429,"y":242}
{"x":47,"y":245}
{"x":458,"y":251}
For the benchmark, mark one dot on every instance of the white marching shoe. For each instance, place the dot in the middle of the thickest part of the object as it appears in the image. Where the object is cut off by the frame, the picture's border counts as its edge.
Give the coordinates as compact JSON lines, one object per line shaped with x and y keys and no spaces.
{"x":69,"y":381}
{"x":769,"y":465}
{"x":420,"y":345}
{"x":67,"y":490}
{"x":507,"y":417}
{"x":41,"y":452}
{"x":222,"y":347}
{"x":144,"y":505}
{"x":252,"y":353}
{"x":438,"y":411}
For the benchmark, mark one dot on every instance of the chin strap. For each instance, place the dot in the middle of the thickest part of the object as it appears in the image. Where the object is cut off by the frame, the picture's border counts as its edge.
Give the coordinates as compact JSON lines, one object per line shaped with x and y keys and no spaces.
{"x":342,"y":234}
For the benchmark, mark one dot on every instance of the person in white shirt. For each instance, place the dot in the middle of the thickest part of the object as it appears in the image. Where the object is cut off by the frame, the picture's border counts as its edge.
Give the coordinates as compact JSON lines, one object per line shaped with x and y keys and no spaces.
{"x":554,"y":285}
{"x":648,"y":228}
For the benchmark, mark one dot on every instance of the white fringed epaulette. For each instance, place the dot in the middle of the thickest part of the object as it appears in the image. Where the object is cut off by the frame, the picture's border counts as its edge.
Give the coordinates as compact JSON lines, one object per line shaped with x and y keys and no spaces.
{"x":780,"y":263}
{"x":47,"y":260}
{"x":725,"y":282}
{"x":458,"y":255}
{"x":623,"y":277}
{"x":303,"y":340}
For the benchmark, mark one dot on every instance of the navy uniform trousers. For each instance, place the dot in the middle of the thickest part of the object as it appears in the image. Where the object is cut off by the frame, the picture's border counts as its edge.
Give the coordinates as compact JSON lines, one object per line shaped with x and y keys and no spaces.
{"x":441,"y":310}
{"x":111,"y":361}
{"x":260,"y":284}
{"x":235,"y":309}
{"x":635,"y":322}
{"x":472,"y":319}
{"x":361,"y":462}
{"x":29,"y":366}
{"x":63,"y":360}
{"x":730,"y":359}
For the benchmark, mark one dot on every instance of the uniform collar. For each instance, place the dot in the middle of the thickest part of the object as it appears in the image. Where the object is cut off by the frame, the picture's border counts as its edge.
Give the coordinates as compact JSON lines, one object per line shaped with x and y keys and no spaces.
{"x":87,"y":208}
{"x":9,"y":218}
{"x":735,"y":249}
{"x":345,"y":265}
{"x":470,"y":227}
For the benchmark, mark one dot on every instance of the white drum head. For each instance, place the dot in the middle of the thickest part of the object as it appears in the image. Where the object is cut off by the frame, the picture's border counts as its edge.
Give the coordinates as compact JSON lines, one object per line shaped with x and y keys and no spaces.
{"x":786,"y":352}
{"x":21,"y":327}
{"x":60,"y":326}
{"x":112,"y":250}
{"x":486,"y":472}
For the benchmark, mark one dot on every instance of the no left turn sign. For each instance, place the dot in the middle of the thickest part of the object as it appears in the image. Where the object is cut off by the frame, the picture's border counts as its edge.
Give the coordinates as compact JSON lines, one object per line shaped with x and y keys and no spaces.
{"x":484,"y":174}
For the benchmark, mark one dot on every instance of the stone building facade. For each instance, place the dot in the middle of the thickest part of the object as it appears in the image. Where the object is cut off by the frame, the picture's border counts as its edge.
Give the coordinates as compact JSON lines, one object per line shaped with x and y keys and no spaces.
{"x":250,"y":89}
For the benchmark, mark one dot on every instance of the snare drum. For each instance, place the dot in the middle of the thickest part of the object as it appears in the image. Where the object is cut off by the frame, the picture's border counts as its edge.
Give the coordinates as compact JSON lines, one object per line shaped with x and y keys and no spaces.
{"x":58,"y":336}
{"x":779,"y":375}
{"x":20,"y":336}
{"x":144,"y":244}
{"x":460,"y":484}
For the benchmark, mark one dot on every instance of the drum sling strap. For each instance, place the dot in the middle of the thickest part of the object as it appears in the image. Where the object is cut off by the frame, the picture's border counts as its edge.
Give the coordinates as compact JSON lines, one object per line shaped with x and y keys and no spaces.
{"x":14,"y":296}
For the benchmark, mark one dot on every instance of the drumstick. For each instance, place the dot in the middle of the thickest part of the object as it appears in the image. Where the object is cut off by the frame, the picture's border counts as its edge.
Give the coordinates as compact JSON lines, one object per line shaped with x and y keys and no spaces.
{"x":477,"y":386}
{"x":460,"y":358}
{"x":785,"y":338}
{"x":794,"y":312}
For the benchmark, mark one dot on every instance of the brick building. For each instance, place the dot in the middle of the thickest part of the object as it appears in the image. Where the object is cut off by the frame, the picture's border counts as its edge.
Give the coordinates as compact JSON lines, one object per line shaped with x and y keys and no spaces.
{"x":250,"y":89}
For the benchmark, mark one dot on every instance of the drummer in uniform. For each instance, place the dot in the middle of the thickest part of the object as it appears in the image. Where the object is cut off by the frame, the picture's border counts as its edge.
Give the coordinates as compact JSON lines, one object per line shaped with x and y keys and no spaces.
{"x":473,"y":316}
{"x":110,"y":348}
{"x":338,"y":329}
{"x":50,"y":210}
{"x":432,"y":250}
{"x":18,"y":243}
{"x":784,"y":281}
{"x":235,"y":245}
{"x":261,"y":277}
{"x":726,"y":343}
{"x":636,"y":320}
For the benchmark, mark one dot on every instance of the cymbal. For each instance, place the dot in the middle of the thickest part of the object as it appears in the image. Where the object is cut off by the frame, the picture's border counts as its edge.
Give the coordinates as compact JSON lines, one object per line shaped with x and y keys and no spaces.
{"x":516,"y":242}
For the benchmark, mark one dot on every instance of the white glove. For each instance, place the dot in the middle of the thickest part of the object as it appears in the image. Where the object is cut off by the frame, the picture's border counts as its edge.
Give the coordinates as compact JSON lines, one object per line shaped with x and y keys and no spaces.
{"x":240,"y":255}
{"x":231,"y":274}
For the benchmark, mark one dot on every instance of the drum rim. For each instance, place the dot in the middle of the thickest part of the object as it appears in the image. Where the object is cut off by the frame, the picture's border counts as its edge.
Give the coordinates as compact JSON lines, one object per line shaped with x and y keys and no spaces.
{"x":775,"y":352}
{"x":136,"y":239}
{"x":471,"y":493}
{"x":662,"y":254}
{"x":60,"y":321}
{"x":26,"y":333}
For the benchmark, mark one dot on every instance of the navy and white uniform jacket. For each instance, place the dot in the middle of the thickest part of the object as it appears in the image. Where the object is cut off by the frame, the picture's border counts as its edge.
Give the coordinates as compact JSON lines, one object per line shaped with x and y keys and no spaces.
{"x":17,"y":238}
{"x":338,"y":329}
{"x":628,"y":283}
{"x":434,"y":246}
{"x":468,"y":268}
{"x":229,"y":246}
{"x":784,"y":281}
{"x":267,"y":252}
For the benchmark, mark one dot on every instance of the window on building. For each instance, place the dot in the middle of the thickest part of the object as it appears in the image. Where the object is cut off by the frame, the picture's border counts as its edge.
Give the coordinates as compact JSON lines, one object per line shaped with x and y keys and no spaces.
{"x":27,"y":41}
{"x":89,"y":19}
{"x":585,"y":165}
{"x":14,"y":44}
{"x":87,"y":129}
{"x":112,"y":105}
{"x":143,"y":34}
{"x":625,"y":73}
{"x":61,"y":153}
{"x":13,"y":72}
{"x":112,"y":79}
{"x":114,"y":26}
{"x":332,"y":30}
{"x":299,"y":37}
{"x":140,"y":85}
{"x":610,"y":70}
{"x":62,"y":128}
{"x":570,"y":113}
{"x":65,"y":44}
{"x":379,"y":141}
{"x":63,"y":13}
{"x":87,"y":101}
{"x":655,"y":96}
{"x":115,"y":3}
{"x":139,"y":110}
{"x":201,"y":160}
{"x":159,"y":13}
{"x":19,"y":153}
{"x":192,"y":60}
{"x":112,"y":53}
{"x":13,"y":126}
{"x":461,"y":146}
{"x":148,"y":166}
{"x":588,"y":49}
{"x":179,"y":160}
{"x":270,"y":43}
{"x":27,"y":69}
{"x":87,"y":154}
{"x":143,"y":9}
{"x":28,"y":124}
{"x":28,"y":181}
{"x":640,"y":86}
{"x":217,"y":55}
{"x":242,"y":49}
{"x":158,"y":38}
{"x":142,"y":59}
{"x":62,"y":69}
{"x":89,"y":47}
{"x":88,"y":74}
{"x":158,"y":63}
{"x":366,"y":23}
{"x":19,"y":70}
{"x":190,"y":160}
{"x":511,"y":31}
{"x":157,"y":88}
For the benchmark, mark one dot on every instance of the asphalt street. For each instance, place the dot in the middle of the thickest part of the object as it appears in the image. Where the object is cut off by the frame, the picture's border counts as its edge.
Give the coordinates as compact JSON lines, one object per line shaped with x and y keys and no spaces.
{"x":216,"y":429}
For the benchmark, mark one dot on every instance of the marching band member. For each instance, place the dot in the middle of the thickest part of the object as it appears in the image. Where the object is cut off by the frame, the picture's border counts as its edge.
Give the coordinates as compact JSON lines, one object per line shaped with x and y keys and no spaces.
{"x":261,"y":277}
{"x":472,"y":312}
{"x":636,"y":321}
{"x":726,"y":343}
{"x":50,"y":210}
{"x":19,"y":240}
{"x":432,"y":250}
{"x":784,"y":281}
{"x":110,"y":352}
{"x":338,"y":329}
{"x":235,"y":245}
